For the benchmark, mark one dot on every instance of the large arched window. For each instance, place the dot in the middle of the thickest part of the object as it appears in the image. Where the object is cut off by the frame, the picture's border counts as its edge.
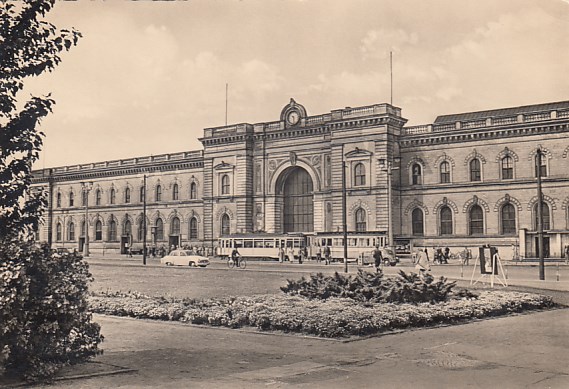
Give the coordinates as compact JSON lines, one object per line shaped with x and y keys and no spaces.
{"x":445,"y":215}
{"x":159,"y":229}
{"x":71,"y":232}
{"x":361,"y":220}
{"x":225,"y":184}
{"x":175,"y":226}
{"x":112,"y":231}
{"x":298,"y":213}
{"x":58,"y":203}
{"x":359,"y":174}
{"x":194,"y":228}
{"x":158,"y":193}
{"x":98,"y":197}
{"x":475,"y":220}
{"x":193,"y":191}
{"x":417,"y":222}
{"x":475,"y":173}
{"x":71,"y":199}
{"x":508,"y":219}
{"x":113,"y":196}
{"x":445,"y":172}
{"x":98,"y":230}
{"x":225,"y":224}
{"x":127,"y":195}
{"x":416,"y":174}
{"x":546,"y":216}
{"x":127,"y":228}
{"x":58,"y":232}
{"x":175,"y":193}
{"x":507,"y":168}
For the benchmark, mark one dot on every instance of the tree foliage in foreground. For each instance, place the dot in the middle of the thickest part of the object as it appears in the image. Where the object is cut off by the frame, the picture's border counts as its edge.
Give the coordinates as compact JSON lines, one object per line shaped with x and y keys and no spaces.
{"x":44,"y":322}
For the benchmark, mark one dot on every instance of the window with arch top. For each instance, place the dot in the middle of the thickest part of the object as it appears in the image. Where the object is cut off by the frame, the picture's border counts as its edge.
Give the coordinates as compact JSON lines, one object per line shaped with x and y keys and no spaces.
{"x":127,"y":228}
{"x":71,"y":199}
{"x":158,"y":193}
{"x":98,"y":197}
{"x":225,"y":224}
{"x":475,"y":172}
{"x":194,"y":228}
{"x":546,"y":216}
{"x":71,"y":231}
{"x":475,"y":220}
{"x":98,"y":230}
{"x":58,"y":230}
{"x":507,"y":168}
{"x":112,"y":231}
{"x":175,"y":226}
{"x":445,"y":172}
{"x":193,"y":191}
{"x":361,"y":220}
{"x":159,"y":229}
{"x":175,"y":194}
{"x":359,"y":174}
{"x":58,"y":204}
{"x":508,"y":219}
{"x":127,"y":195}
{"x":416,"y":174}
{"x":445,"y":215}
{"x":225,"y":188}
{"x":417,"y":222}
{"x":113,"y":195}
{"x":542,"y":167}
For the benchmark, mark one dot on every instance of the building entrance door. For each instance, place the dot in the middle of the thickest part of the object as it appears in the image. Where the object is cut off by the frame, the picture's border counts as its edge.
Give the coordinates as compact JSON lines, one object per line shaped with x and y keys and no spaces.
{"x":124,"y":244}
{"x":174,"y":240}
{"x":81,"y":243}
{"x":545,"y":247}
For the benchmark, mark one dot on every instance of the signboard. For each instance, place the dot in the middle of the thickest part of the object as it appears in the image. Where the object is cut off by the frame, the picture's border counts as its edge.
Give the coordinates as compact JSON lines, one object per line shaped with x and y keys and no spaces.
{"x":487,"y":260}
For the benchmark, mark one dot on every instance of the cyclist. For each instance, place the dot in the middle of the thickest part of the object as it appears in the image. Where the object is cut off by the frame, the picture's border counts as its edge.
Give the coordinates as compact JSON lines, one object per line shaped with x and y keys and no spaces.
{"x":235,"y":257}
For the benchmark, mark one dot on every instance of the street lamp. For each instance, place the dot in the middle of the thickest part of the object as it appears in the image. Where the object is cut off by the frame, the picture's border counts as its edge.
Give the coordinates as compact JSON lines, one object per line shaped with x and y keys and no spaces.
{"x":144,"y":222}
{"x":344,"y":217}
{"x":388,"y":166}
{"x":539,"y":215}
{"x":86,"y":188}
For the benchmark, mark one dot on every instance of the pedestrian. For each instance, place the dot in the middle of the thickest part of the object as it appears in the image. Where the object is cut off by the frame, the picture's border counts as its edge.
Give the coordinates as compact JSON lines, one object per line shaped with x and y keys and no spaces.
{"x":281,"y":254}
{"x":326,"y":255}
{"x":467,"y":255}
{"x":495,"y":261}
{"x":423,"y":265}
{"x":566,"y":254}
{"x":319,"y":254}
{"x":377,"y":258}
{"x":130,"y":251}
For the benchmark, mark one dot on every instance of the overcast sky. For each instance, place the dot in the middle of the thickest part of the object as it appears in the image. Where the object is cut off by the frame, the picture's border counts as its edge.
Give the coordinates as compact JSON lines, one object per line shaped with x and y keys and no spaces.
{"x":148,"y":77}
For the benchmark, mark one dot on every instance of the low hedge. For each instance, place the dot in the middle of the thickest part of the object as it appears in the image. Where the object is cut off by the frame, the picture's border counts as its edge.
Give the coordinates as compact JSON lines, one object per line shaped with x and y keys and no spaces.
{"x":333,"y":317}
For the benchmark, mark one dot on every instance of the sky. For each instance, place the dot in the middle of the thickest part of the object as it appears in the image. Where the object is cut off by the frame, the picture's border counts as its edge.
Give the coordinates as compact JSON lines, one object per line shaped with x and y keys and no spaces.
{"x":148,"y":77}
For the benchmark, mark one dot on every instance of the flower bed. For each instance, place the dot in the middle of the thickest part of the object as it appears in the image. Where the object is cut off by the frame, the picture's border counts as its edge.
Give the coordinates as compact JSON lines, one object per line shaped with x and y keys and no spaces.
{"x":334,"y":317}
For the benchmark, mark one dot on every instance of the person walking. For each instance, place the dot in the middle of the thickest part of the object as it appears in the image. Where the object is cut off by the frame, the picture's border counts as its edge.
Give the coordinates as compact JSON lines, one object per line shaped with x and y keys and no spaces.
{"x":567,"y":254}
{"x":319,"y":254}
{"x":281,"y":254}
{"x":377,"y":258}
{"x":423,"y":265}
{"x":326,"y":255}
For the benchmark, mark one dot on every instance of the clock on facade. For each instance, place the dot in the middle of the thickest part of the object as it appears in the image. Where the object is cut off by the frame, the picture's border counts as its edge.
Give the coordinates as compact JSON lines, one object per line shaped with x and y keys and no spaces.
{"x":293,"y":117}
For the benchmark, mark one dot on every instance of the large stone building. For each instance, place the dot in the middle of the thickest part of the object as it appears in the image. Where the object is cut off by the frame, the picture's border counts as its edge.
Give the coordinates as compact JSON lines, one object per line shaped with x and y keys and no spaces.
{"x":465,"y":180}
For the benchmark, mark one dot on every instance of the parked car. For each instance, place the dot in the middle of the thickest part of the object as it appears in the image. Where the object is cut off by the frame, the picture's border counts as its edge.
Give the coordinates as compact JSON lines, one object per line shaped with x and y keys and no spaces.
{"x":60,"y":252}
{"x":389,"y":256}
{"x":184,"y":258}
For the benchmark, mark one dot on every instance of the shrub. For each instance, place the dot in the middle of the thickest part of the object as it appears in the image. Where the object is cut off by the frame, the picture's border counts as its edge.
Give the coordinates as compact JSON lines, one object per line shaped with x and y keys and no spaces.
{"x":372,"y":287}
{"x":45,"y":322}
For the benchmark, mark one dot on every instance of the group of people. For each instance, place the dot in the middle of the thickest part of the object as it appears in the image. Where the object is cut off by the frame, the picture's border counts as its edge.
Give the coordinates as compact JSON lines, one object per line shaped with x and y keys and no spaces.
{"x":290,"y":254}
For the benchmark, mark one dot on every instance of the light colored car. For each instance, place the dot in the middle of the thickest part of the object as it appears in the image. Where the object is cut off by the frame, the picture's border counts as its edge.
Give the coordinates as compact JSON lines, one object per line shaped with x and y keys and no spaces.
{"x":184,"y":258}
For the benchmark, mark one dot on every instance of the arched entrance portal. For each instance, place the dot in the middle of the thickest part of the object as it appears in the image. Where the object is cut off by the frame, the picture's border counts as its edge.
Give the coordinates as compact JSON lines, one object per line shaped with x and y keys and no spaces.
{"x":297,"y":188}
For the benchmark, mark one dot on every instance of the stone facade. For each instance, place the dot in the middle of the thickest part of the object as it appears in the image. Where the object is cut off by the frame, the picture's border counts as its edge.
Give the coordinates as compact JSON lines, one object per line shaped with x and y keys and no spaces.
{"x":473,"y":164}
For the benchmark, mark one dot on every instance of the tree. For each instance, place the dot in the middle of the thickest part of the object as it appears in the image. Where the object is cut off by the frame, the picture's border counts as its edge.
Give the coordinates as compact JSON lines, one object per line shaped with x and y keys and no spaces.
{"x":44,"y":318}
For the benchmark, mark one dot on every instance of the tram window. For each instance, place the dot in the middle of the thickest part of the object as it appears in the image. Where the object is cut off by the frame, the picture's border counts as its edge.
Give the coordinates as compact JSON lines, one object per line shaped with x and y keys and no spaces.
{"x":270,"y":243}
{"x":296,"y":243}
{"x":248,"y":243}
{"x":258,"y":243}
{"x":237,"y":243}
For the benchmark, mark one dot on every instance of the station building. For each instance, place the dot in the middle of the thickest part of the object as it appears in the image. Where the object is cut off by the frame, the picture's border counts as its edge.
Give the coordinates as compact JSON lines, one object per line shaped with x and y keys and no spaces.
{"x":465,"y":180}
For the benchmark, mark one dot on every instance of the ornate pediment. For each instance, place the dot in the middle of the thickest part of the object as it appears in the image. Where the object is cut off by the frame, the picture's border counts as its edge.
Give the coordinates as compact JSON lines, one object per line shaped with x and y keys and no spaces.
{"x":359,"y":153}
{"x":224,"y":166}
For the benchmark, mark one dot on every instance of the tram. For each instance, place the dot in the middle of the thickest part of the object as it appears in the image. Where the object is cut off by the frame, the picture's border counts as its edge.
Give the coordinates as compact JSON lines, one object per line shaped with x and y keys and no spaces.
{"x":264,"y":246}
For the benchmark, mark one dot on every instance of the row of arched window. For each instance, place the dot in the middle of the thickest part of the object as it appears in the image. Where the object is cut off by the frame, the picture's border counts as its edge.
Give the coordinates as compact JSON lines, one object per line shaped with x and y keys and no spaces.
{"x":127,"y":196}
{"x":507,"y":221}
{"x":112,"y":231}
{"x":474,"y":170}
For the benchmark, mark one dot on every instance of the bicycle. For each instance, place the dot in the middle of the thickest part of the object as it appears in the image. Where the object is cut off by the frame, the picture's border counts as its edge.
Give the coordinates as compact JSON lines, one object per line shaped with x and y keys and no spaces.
{"x":231,"y":263}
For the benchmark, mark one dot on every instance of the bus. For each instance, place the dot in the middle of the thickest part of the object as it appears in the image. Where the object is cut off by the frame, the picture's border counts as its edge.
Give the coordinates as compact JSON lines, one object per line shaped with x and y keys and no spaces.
{"x":262,"y":246}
